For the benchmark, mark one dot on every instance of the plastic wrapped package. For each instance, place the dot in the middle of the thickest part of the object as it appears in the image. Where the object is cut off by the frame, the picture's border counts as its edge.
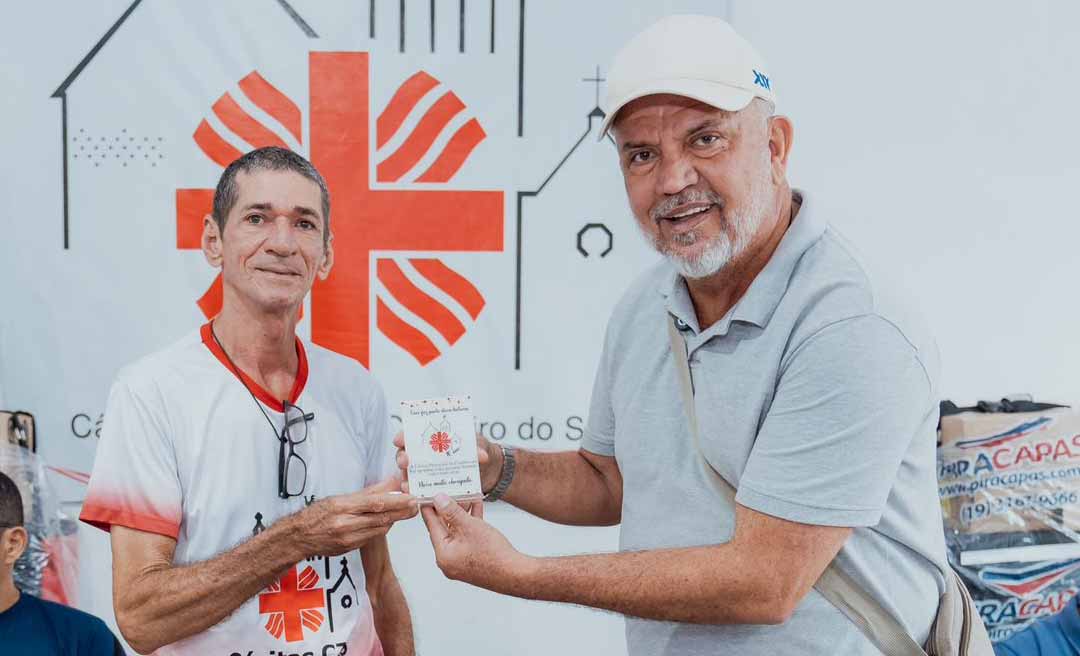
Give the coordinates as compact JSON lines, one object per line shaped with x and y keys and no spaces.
{"x":1010,"y":497}
{"x":49,"y":567}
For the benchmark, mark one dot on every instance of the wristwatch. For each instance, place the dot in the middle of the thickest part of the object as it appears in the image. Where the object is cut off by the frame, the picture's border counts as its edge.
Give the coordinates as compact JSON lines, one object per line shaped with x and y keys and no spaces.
{"x":506,"y":476}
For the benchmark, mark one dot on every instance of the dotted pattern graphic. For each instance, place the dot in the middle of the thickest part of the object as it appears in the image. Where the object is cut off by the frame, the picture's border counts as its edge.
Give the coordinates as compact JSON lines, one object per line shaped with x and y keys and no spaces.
{"x":125,"y":149}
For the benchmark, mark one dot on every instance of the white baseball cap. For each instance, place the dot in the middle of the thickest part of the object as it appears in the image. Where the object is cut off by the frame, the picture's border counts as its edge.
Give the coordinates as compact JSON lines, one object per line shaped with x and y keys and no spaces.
{"x":699,"y":57}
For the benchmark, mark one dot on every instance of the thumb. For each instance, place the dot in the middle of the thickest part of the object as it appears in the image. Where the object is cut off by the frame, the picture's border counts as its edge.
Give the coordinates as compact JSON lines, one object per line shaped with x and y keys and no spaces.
{"x":449,"y":511}
{"x":482,"y":454}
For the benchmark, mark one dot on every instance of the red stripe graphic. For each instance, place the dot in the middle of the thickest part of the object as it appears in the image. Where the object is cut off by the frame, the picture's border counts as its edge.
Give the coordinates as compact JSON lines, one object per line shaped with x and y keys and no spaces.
{"x":1023,"y":589}
{"x":404,"y":335}
{"x":308,"y":578}
{"x":408,"y":94}
{"x":418,"y":302}
{"x":456,"y":152}
{"x":267,"y":98}
{"x":192,"y":205}
{"x":243,"y":125}
{"x":451,"y":282}
{"x":222,"y":152}
{"x":210,"y":302}
{"x":276,"y":625}
{"x":72,"y":474}
{"x":312,"y":619}
{"x":419,"y":142}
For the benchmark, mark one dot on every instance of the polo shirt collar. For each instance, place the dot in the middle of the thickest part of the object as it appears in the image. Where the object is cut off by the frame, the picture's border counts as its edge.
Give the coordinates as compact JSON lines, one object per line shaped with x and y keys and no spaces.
{"x":763,"y":296}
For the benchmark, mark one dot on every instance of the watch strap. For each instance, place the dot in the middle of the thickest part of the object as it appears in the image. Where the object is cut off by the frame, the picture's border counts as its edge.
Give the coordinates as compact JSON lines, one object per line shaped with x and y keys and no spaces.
{"x":506,"y":476}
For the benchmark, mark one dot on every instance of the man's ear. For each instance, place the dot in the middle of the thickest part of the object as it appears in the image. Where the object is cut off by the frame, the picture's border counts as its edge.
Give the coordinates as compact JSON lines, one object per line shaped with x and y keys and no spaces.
{"x":211,"y":242}
{"x":328,"y":259}
{"x":13,"y":543}
{"x":781,"y":134}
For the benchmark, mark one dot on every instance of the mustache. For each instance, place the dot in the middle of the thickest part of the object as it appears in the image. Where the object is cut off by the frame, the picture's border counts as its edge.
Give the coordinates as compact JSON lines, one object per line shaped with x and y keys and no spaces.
{"x":668,"y":205}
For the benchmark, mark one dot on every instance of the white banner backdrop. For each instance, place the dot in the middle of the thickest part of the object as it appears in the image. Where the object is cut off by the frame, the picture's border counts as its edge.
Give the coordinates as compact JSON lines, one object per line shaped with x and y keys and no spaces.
{"x":922,"y":131}
{"x":481,"y":230}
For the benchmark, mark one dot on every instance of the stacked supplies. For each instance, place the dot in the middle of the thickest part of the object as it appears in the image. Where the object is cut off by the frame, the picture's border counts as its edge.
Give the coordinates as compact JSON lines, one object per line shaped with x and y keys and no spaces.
{"x":1009,"y":480}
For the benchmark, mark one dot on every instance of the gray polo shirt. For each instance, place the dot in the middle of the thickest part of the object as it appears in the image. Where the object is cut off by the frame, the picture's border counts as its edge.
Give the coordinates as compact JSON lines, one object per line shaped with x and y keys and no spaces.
{"x":817,"y":398}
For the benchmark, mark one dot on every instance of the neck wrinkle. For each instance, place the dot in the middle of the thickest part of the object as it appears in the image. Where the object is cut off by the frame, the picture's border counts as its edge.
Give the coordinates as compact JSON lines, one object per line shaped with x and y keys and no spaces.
{"x":261,"y":343}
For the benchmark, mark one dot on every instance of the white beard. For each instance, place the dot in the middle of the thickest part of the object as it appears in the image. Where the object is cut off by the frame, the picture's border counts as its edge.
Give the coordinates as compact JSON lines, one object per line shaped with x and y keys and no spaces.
{"x":721,"y":250}
{"x":714,"y":256}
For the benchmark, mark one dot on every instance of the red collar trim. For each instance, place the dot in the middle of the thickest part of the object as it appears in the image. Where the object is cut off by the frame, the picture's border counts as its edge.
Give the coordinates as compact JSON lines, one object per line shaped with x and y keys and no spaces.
{"x":256,"y":389}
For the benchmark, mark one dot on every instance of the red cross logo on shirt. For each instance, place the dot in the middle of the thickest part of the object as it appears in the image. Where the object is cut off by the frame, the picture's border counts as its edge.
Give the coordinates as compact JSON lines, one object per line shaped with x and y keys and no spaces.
{"x":293,"y":604}
{"x":365,"y":217}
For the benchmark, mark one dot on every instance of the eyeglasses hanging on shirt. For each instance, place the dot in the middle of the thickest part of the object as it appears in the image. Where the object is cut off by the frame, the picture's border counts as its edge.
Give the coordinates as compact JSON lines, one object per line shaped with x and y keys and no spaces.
{"x":292,"y":468}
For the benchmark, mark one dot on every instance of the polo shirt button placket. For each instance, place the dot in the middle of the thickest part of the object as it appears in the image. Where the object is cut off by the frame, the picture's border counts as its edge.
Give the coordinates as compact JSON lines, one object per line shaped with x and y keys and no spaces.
{"x":683,"y":327}
{"x":694,"y":359}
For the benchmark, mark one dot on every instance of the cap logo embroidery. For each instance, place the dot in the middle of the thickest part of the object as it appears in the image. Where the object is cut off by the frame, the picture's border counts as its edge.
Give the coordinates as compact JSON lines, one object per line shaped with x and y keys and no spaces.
{"x":762,"y":80}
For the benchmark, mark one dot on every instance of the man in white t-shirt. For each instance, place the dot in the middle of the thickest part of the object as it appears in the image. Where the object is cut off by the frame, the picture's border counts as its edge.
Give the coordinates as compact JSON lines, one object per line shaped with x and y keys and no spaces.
{"x":241,"y":470}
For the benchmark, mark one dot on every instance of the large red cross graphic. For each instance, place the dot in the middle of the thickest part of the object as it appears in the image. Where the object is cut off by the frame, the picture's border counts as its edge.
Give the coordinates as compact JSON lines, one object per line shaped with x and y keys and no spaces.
{"x":363,"y":219}
{"x":291,"y":602}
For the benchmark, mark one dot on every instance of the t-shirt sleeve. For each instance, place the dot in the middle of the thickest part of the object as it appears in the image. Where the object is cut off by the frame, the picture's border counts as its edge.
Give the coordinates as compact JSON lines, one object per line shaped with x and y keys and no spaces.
{"x":134,"y":482}
{"x":380,"y":447}
{"x":849,"y":400}
{"x":599,"y":437}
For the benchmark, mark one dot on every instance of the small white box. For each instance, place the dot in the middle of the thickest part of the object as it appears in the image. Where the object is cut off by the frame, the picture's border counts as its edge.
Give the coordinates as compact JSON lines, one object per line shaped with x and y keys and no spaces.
{"x":440,"y":440}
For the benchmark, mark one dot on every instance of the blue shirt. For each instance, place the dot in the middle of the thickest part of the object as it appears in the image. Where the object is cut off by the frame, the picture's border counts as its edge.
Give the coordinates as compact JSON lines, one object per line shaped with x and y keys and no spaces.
{"x":1058,"y":635}
{"x":33,"y":627}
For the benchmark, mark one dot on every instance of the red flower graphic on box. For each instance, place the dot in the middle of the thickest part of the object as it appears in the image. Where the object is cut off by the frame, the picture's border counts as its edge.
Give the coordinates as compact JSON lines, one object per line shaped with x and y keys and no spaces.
{"x":440,"y":442}
{"x":293,"y":604}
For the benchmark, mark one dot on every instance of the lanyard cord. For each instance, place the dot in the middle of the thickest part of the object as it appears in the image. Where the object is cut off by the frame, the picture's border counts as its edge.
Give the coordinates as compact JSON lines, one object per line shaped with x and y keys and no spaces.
{"x":240,"y":377}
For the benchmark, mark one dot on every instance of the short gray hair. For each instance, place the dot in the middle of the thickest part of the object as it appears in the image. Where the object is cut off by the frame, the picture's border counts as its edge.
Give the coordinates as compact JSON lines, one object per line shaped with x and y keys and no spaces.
{"x":269,"y":158}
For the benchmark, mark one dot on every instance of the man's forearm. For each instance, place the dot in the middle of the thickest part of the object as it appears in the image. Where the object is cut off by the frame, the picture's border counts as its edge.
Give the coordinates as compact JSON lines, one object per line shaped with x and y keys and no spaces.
{"x":166,"y":603}
{"x":563,"y":487}
{"x":701,"y":585}
{"x":392,"y":621}
{"x":758,"y":577}
{"x":389,"y":608}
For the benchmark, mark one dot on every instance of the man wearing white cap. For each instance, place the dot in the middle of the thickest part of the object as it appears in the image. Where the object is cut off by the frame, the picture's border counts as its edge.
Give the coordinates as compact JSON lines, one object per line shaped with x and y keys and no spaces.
{"x":812,"y":394}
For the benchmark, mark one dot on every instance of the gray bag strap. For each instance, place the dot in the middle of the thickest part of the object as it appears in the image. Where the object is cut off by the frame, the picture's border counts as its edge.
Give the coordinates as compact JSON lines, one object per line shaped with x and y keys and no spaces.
{"x":837,"y":586}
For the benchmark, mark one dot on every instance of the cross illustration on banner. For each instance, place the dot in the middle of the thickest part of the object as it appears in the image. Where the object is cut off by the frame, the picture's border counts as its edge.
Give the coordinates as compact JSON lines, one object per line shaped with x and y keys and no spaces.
{"x":293,"y":604}
{"x":596,"y":79}
{"x":367,"y":218}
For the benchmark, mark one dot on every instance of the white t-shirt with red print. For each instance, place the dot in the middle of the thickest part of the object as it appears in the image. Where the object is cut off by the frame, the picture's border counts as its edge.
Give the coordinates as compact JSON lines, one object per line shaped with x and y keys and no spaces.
{"x":185,"y":452}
